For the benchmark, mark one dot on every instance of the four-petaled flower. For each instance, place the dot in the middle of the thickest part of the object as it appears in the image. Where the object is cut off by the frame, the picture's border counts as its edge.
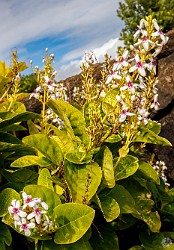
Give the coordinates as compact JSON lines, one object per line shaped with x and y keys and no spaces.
{"x":26,"y":227}
{"x":138,"y":66}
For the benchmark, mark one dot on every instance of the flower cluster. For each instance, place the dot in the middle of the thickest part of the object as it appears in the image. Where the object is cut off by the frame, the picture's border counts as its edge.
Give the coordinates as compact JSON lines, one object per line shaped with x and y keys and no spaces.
{"x":161,"y":168}
{"x":48,"y":88}
{"x":31,"y":215}
{"x":133,"y":74}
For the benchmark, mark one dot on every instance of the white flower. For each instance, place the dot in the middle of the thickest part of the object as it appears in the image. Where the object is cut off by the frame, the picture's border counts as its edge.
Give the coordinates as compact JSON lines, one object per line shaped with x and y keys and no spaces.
{"x":28,"y":200}
{"x":112,"y":76}
{"x":47,"y":224}
{"x":130,"y":85}
{"x":138,"y":66}
{"x":26,"y":227}
{"x":152,"y":66}
{"x":159,"y":33}
{"x":43,"y":203}
{"x":138,"y":32}
{"x":121,"y":62}
{"x":155,"y":103}
{"x":124,"y":114}
{"x":37,"y":213}
{"x":14,"y":209}
{"x":144,"y":41}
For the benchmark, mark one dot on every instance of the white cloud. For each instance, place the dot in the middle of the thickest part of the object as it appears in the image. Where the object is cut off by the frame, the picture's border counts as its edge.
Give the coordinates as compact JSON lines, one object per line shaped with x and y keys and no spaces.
{"x":26,"y":21}
{"x":73,"y":67}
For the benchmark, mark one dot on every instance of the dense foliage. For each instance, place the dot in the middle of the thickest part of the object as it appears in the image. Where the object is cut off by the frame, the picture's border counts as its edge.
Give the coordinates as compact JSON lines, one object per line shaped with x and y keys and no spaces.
{"x":78,"y":176}
{"x":131,"y":12}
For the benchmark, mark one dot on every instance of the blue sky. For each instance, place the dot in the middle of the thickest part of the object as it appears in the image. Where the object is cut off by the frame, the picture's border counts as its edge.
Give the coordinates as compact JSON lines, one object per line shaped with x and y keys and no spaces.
{"x":67,"y":28}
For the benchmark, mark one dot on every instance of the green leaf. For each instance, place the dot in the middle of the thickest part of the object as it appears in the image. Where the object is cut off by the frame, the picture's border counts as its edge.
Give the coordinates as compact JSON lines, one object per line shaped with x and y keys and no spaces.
{"x":30,"y":160}
{"x":18,"y":118}
{"x":113,"y":138}
{"x":15,"y":108}
{"x":21,"y":175}
{"x":4,"y":137}
{"x":149,"y":172}
{"x":154,"y":126}
{"x":4,"y":69}
{"x":148,"y":136}
{"x":6,"y":197}
{"x":32,"y":128}
{"x":74,"y":115}
{"x":105,"y":239}
{"x":122,"y":196}
{"x":5,"y":235}
{"x":83,"y":180}
{"x":107,"y":108}
{"x":46,"y":194}
{"x":80,"y":244}
{"x":47,"y":146}
{"x":110,"y":98}
{"x":22,"y":66}
{"x":126,"y":167}
{"x":73,"y":221}
{"x":108,"y":206}
{"x":143,"y":203}
{"x":64,"y":141}
{"x":45,"y":179}
{"x":151,"y":241}
{"x":107,"y":169}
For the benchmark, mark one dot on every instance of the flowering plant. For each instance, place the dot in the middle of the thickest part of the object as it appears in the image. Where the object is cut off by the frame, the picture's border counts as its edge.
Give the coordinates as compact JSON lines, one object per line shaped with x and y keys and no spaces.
{"x":83,"y":171}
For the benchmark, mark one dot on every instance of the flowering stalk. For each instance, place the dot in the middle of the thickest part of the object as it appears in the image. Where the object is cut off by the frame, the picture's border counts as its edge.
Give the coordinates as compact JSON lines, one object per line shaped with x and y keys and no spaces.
{"x":48,"y":89}
{"x":133,"y":79}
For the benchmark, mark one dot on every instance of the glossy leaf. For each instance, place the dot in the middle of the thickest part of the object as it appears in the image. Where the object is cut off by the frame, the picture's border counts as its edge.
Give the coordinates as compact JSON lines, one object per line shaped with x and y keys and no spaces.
{"x":148,"y":136}
{"x":5,"y":235}
{"x":18,"y":118}
{"x":64,"y":141}
{"x":83,"y":180}
{"x":6,"y":197}
{"x":107,"y":169}
{"x":47,"y":146}
{"x":108,"y":206}
{"x":30,"y":160}
{"x":15,"y":108}
{"x":149,"y":172}
{"x":74,"y":115}
{"x":21,"y":175}
{"x":45,"y":179}
{"x":126,"y":167}
{"x":122,"y":196}
{"x":5,"y":137}
{"x":73,"y":221}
